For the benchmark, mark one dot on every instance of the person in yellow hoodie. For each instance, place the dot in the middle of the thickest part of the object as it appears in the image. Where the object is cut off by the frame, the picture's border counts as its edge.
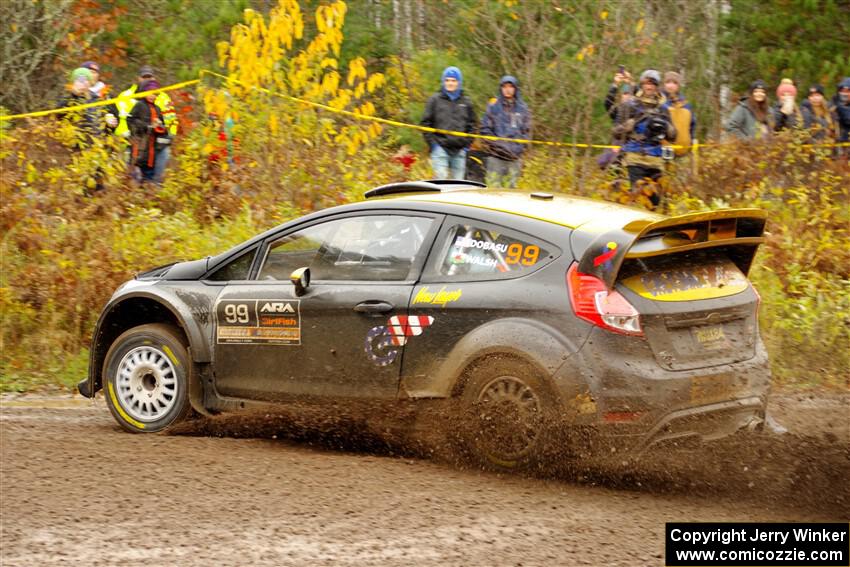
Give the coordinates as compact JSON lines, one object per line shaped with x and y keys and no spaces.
{"x":124,"y":106}
{"x":681,"y":113}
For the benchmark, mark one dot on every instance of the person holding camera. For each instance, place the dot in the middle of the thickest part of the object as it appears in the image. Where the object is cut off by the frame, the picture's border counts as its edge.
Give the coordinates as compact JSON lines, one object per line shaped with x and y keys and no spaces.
{"x":643,"y":124}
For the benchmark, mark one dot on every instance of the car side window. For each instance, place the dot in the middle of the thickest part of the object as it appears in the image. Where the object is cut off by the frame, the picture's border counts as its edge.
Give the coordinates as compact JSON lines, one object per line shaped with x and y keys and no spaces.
{"x":476,"y":251}
{"x":364,"y":248}
{"x":237,"y":269}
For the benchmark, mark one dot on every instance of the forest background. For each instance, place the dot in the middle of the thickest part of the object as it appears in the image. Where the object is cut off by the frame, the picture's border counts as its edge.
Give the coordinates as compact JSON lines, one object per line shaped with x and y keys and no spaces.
{"x":64,"y":250}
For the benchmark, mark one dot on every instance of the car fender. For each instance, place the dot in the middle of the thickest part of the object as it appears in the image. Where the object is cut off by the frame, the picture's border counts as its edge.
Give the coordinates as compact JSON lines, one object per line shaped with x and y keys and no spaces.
{"x":191,"y":311}
{"x":535,"y":342}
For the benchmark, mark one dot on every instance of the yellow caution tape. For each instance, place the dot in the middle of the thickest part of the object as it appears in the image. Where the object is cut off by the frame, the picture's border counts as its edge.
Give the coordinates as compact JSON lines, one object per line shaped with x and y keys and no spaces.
{"x":360,"y":116}
{"x":98,"y":103}
{"x":355,"y":115}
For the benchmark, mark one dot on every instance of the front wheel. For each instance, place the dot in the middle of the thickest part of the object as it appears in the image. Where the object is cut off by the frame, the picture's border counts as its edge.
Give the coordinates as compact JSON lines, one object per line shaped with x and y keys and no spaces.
{"x":507,"y":412}
{"x":145,"y":378}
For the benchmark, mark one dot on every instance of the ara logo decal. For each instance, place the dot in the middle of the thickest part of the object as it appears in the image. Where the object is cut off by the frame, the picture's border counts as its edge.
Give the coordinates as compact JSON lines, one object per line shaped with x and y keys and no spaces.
{"x":277,"y":307}
{"x":381,"y":341}
{"x":608,"y":253}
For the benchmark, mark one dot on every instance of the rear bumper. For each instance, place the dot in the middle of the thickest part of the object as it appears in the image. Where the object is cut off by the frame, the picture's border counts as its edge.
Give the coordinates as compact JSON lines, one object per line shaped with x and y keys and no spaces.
{"x":615,"y":387}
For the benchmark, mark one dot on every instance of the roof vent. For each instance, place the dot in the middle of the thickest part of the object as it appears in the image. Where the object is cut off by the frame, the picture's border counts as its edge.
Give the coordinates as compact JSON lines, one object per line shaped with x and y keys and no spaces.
{"x":432,"y":186}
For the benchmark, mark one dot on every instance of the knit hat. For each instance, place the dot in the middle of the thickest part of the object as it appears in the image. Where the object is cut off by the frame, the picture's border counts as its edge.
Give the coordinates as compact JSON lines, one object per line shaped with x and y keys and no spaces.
{"x":149,"y":86}
{"x":91,"y":66}
{"x":816,"y":89}
{"x":758,"y":84}
{"x":82,"y":73}
{"x":844,"y":84}
{"x":786,"y":87}
{"x":452,"y":73}
{"x":673,"y":76}
{"x":650,"y":75}
{"x":146,"y":70}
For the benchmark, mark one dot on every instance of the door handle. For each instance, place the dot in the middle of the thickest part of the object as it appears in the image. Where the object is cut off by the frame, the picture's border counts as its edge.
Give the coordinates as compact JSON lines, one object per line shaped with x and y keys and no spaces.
{"x":373,"y":307}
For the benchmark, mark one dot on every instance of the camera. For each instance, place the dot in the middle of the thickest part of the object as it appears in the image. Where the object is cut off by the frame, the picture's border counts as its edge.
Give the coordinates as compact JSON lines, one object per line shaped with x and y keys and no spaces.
{"x":656,"y":128}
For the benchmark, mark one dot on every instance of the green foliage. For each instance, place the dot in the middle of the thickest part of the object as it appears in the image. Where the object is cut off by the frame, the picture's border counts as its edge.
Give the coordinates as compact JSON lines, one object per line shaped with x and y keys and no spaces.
{"x":802,"y":39}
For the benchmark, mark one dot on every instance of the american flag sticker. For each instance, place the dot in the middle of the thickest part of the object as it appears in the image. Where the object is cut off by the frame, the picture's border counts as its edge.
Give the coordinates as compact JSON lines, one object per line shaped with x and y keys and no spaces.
{"x":403,"y":326}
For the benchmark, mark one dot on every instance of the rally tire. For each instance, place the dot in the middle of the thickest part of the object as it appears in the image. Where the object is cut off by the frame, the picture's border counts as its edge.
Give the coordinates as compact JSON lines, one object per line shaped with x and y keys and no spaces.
{"x":145,"y":378}
{"x":507,"y":414}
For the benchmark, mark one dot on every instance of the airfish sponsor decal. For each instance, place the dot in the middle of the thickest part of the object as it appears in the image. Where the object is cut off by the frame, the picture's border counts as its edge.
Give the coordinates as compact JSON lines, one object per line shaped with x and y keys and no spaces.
{"x":382,"y":340}
{"x":258,"y":321}
{"x":441,"y":297}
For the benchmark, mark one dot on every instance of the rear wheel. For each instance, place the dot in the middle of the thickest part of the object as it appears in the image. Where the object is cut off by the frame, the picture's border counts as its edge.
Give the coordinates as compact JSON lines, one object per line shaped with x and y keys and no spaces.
{"x":145,"y":378}
{"x":507,"y":413}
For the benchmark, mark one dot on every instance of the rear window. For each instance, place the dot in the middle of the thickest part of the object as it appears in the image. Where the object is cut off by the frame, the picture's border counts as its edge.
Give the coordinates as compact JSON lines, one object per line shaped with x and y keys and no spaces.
{"x":477,"y":251}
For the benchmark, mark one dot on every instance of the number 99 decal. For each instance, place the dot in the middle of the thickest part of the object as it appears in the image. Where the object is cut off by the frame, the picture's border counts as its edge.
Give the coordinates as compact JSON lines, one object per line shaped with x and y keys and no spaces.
{"x":525,"y":255}
{"x":236,"y":313}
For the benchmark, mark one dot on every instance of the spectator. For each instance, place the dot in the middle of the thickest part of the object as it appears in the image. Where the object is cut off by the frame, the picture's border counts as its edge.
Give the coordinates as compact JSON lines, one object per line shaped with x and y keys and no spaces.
{"x":619,"y":94}
{"x":98,"y":88}
{"x":817,"y":117}
{"x":841,"y":113}
{"x":752,"y":119}
{"x":507,"y":117}
{"x":451,"y":110}
{"x":644,"y":122}
{"x":148,"y":132}
{"x":98,"y":91}
{"x":126,"y":104}
{"x":620,"y":91}
{"x":786,"y":113}
{"x":681,"y":113}
{"x":89,"y":121}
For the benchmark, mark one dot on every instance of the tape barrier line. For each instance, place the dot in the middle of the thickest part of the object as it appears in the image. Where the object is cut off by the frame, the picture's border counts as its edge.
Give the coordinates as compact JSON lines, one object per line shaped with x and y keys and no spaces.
{"x":356,"y":116}
{"x":389,"y":122}
{"x":99,"y":103}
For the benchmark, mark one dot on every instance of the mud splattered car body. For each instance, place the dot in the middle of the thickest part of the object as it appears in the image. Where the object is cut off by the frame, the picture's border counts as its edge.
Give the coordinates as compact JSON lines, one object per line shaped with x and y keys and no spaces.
{"x":525,"y":308}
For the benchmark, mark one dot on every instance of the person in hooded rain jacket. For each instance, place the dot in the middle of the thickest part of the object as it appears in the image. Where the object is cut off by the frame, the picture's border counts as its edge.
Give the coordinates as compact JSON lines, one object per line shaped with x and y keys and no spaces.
{"x":449,"y":109}
{"x":148,"y":133}
{"x":752,"y":118}
{"x":507,"y":117}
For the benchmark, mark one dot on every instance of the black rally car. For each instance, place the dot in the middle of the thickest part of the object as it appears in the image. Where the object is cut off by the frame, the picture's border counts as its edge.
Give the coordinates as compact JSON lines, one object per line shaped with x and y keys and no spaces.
{"x":522,"y":309}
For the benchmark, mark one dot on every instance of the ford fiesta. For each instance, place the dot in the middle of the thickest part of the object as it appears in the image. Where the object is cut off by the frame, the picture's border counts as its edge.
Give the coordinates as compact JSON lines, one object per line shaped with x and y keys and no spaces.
{"x":524,"y":311}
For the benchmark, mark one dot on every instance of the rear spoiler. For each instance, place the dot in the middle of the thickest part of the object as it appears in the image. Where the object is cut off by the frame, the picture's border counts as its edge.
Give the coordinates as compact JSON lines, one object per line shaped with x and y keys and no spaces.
{"x":737,"y":229}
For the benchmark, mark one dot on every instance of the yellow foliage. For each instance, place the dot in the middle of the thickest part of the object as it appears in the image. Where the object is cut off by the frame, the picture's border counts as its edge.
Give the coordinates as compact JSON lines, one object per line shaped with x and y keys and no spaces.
{"x":267,"y":73}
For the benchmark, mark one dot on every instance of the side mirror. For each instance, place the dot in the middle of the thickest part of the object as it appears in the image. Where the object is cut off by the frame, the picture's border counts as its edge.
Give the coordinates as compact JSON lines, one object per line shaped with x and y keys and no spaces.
{"x":300,"y":278}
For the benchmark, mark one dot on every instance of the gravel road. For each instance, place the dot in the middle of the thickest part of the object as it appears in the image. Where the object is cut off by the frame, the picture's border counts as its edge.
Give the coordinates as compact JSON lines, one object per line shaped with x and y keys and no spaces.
{"x":76,"y":490}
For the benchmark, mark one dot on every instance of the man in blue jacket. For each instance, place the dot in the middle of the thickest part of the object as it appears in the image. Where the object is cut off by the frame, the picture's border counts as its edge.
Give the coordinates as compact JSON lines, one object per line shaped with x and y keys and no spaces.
{"x":507,"y":117}
{"x":450,"y":110}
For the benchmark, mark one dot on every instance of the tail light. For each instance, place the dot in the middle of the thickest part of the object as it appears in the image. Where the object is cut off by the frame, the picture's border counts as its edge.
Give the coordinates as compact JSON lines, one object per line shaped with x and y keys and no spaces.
{"x":593,"y":302}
